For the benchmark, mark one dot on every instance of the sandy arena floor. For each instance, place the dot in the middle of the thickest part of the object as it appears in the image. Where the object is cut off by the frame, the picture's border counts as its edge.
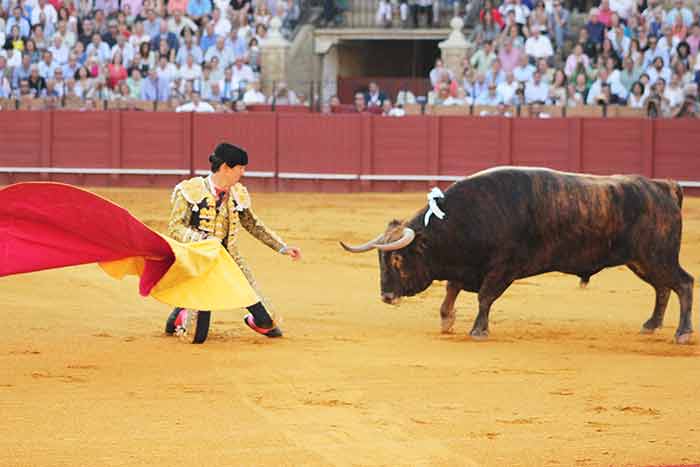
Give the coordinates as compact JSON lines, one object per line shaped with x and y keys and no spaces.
{"x":87,"y":378}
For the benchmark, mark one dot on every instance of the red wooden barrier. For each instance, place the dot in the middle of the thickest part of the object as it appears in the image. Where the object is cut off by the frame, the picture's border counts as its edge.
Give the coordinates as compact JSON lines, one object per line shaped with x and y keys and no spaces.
{"x":312,"y":152}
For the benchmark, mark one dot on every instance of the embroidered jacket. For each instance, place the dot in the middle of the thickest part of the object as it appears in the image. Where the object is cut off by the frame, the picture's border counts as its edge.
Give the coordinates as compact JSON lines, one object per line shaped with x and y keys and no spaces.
{"x":196,"y":214}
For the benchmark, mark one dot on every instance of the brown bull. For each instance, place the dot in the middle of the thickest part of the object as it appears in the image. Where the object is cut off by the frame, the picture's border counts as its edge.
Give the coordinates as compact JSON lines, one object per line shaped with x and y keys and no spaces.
{"x":510,"y":223}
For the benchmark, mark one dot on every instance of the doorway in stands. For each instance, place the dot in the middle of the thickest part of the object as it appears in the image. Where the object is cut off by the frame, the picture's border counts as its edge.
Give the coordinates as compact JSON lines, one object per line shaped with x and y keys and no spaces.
{"x":393,"y":64}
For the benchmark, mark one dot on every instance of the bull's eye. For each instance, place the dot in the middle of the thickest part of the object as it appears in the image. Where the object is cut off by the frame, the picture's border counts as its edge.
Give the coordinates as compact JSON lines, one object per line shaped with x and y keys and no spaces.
{"x":396,"y":260}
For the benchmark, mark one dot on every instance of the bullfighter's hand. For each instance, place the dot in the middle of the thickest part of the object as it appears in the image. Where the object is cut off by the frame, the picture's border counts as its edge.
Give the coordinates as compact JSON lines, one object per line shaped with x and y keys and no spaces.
{"x":293,"y":252}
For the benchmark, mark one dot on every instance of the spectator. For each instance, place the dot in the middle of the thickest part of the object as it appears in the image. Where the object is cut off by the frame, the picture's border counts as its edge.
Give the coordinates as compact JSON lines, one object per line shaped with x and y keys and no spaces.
{"x":209,"y":37}
{"x":495,"y":74}
{"x":578,"y":93}
{"x":189,"y":48}
{"x":509,"y":56}
{"x":483,"y":58}
{"x":595,"y":28}
{"x":36,"y":82}
{"x":637,"y":97}
{"x":487,"y":30}
{"x":21,"y":72}
{"x":605,"y":13}
{"x":490,"y":97}
{"x":220,"y":50}
{"x":284,"y":96}
{"x":524,"y":71}
{"x":138,"y":36}
{"x":388,"y":110}
{"x":154,"y":88}
{"x":437,"y":71}
{"x":195,"y":105}
{"x":151,"y":25}
{"x":538,"y":46}
{"x":242,"y":74}
{"x":557,"y":94}
{"x":178,"y":22}
{"x":190,"y":70}
{"x":31,"y":50}
{"x":679,"y":11}
{"x":20,"y":21}
{"x":675,"y":92}
{"x":25,"y":90}
{"x":124,"y":48}
{"x":59,"y":51}
{"x":170,"y":38}
{"x":559,"y":23}
{"x":597,"y":88}
{"x":423,"y":7}
{"x":506,"y":90}
{"x":359,"y":102}
{"x":135,"y":81}
{"x":253,"y":94}
{"x":538,"y":19}
{"x":536,"y":90}
{"x":47,"y":67}
{"x":99,"y":48}
{"x":577,"y":61}
{"x":83,"y":82}
{"x":198,"y":9}
{"x":110,"y":37}
{"x":658,"y":70}
{"x":495,"y":14}
{"x":14,"y":40}
{"x":374,"y":96}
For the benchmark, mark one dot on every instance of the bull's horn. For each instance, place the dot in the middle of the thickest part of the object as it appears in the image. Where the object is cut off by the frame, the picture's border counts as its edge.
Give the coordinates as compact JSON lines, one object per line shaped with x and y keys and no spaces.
{"x":362,"y":248}
{"x":406,"y":239}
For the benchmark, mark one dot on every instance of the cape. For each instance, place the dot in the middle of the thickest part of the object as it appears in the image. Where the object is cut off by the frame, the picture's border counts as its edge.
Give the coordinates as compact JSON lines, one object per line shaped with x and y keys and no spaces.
{"x":47,"y":225}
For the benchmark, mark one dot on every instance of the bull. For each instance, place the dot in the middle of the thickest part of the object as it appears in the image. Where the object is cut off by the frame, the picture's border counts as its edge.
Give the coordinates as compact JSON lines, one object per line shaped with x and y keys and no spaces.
{"x":510,"y":223}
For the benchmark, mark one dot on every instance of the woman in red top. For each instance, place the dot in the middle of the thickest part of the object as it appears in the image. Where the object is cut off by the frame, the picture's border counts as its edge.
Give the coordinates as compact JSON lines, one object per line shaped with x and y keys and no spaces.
{"x":117,"y":71}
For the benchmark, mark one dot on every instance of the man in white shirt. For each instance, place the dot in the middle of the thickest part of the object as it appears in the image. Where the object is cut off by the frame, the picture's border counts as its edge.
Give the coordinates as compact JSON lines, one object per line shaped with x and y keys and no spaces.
{"x":59,"y":51}
{"x":506,"y":90}
{"x":524,"y":71}
{"x":596,"y":88}
{"x":536,"y":90}
{"x":253,"y":94}
{"x":125,"y":48}
{"x":242,"y":73}
{"x":225,"y":54}
{"x":538,"y":45}
{"x":48,"y":10}
{"x":47,"y":66}
{"x":196,"y":105}
{"x":177,"y":23}
{"x":190,"y":70}
{"x":222,"y":26}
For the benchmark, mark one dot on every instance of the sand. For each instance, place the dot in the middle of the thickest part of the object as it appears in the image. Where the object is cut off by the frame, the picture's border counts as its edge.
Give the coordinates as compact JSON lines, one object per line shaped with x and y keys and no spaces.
{"x":87,"y":377}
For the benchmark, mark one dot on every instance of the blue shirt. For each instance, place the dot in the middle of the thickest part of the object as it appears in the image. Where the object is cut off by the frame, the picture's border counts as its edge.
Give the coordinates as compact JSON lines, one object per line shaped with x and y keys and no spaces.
{"x":207,"y":41}
{"x":155,"y":91}
{"x":198,"y":8}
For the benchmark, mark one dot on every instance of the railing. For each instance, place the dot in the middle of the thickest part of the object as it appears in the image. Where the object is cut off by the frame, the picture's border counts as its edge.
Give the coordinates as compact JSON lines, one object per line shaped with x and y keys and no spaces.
{"x":363,"y":14}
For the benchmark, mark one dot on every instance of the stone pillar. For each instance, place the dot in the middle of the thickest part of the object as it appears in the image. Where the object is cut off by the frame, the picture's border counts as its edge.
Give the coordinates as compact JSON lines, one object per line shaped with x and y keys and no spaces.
{"x":274,"y":50}
{"x":454,"y":48}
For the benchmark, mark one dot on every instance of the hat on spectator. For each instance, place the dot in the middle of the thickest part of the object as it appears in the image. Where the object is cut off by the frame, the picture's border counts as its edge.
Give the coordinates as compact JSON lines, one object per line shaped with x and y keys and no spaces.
{"x":229,"y":154}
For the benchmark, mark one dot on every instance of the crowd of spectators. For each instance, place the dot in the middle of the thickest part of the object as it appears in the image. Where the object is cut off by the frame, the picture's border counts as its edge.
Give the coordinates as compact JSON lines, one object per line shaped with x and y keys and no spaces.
{"x":637,"y":53}
{"x":180,"y":52}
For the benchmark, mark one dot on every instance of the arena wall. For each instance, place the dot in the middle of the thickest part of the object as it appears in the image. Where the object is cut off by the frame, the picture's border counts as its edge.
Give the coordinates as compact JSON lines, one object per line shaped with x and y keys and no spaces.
{"x":334,"y":153}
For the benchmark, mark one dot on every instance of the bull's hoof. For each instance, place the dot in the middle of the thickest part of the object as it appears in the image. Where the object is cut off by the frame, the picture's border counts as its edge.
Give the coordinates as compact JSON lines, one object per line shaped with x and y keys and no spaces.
{"x":683,"y":338}
{"x":479,"y":335}
{"x":649,"y":327}
{"x":647,"y":330}
{"x":447,"y":324}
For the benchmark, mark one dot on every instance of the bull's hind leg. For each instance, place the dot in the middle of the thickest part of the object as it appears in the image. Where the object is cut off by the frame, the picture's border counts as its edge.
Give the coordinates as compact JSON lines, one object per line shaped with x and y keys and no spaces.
{"x":683,"y":287}
{"x":447,"y":309}
{"x":493,"y":287}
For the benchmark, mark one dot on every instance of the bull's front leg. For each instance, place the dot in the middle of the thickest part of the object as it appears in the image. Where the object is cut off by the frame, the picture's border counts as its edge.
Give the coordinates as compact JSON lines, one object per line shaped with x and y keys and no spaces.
{"x":447,"y":309}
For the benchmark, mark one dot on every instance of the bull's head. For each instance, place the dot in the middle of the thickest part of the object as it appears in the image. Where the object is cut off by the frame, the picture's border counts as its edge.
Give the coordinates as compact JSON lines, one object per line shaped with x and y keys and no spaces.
{"x":403,"y":267}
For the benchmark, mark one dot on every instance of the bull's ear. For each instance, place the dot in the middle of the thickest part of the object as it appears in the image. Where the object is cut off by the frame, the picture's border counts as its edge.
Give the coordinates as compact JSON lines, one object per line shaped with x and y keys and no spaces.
{"x":394,"y":223}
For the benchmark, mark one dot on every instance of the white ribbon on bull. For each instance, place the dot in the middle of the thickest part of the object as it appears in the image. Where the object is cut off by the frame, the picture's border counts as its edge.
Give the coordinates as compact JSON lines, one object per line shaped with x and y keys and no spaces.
{"x":433,"y":208}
